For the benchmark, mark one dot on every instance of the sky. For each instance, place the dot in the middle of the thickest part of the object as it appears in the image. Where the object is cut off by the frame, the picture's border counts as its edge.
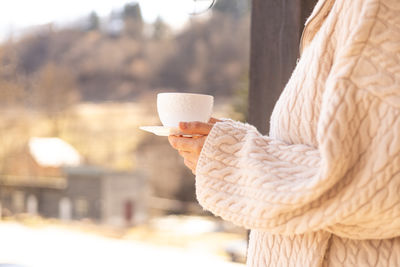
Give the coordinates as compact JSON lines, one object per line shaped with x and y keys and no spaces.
{"x":19,"y":14}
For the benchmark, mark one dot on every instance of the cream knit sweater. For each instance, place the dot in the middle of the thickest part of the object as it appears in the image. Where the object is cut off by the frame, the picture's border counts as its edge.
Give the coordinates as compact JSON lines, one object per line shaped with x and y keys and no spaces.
{"x":323,"y":189}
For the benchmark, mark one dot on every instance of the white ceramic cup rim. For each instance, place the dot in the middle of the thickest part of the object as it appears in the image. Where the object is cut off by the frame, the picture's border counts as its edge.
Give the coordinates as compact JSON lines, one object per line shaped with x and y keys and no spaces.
{"x":193,"y":94}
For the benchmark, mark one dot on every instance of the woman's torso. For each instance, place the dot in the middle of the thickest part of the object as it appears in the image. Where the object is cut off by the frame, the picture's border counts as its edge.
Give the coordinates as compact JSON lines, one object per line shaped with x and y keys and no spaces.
{"x":295,"y":121}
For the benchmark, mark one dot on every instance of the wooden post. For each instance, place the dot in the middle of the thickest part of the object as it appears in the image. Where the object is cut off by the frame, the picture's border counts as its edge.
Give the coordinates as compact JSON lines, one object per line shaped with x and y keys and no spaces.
{"x":276,"y":27}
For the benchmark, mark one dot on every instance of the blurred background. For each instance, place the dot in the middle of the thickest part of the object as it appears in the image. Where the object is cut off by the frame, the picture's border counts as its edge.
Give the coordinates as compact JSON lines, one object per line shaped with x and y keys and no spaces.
{"x":80,"y":184}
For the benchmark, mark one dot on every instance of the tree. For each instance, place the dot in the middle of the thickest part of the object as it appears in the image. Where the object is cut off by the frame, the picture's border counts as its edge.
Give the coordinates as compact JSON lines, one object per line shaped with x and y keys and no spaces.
{"x":234,"y":8}
{"x":133,"y":21}
{"x":55,"y":90}
{"x":160,"y":29}
{"x":13,"y":125}
{"x":11,"y":87}
{"x":209,"y":57}
{"x":93,"y":21}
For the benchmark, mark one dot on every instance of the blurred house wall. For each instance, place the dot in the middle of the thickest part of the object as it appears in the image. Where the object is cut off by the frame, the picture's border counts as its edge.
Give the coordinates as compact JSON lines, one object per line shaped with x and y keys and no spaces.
{"x":124,"y":198}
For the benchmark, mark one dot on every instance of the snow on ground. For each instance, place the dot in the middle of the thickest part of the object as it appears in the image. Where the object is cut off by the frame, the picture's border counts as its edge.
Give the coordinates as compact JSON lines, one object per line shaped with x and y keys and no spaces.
{"x":52,"y":246}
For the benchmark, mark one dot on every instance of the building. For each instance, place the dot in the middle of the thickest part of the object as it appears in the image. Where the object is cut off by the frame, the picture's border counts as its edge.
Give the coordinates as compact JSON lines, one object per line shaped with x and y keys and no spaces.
{"x":49,"y":178}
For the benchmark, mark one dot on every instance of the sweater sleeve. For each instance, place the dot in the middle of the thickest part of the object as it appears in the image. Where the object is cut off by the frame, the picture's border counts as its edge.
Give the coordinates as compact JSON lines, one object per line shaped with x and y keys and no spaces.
{"x":347,"y":185}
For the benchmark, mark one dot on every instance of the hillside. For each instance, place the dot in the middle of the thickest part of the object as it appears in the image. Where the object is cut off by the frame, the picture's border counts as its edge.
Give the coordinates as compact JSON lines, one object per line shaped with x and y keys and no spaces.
{"x":209,"y":55}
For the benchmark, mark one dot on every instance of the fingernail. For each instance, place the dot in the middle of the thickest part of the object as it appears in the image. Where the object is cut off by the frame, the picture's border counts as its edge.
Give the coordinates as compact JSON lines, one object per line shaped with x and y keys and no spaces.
{"x":183,"y":125}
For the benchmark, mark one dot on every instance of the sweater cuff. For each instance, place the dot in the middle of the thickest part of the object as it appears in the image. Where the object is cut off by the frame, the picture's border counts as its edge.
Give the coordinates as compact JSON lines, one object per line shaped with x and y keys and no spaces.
{"x":216,"y":147}
{"x":218,"y":131}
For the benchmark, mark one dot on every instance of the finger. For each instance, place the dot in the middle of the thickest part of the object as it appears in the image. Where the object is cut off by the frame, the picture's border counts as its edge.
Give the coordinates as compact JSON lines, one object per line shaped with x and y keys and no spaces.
{"x":213,"y":120}
{"x":189,"y":156}
{"x":190,"y":165}
{"x":184,"y":154}
{"x":191,"y":160}
{"x":193,"y":145}
{"x":195,"y":127}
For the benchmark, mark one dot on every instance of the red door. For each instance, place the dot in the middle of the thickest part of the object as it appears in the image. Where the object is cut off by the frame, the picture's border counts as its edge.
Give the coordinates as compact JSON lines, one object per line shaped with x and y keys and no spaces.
{"x":129,"y":211}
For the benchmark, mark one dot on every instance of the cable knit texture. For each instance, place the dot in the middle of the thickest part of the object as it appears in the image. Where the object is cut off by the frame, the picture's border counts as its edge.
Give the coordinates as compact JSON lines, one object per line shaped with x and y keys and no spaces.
{"x":322,"y":189}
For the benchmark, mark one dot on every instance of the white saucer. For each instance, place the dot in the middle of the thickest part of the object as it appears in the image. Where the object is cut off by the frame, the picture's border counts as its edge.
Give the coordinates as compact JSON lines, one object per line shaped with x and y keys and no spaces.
{"x":160,"y":130}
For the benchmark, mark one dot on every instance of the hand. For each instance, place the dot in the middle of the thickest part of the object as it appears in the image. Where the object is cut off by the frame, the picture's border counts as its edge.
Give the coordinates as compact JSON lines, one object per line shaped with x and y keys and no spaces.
{"x":190,"y":147}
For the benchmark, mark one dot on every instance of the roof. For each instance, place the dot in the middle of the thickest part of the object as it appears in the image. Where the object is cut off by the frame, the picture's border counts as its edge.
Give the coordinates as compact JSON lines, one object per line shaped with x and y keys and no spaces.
{"x":53,"y":152}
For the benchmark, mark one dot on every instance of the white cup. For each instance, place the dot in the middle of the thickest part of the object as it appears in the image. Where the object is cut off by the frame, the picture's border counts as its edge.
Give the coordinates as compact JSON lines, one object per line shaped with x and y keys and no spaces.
{"x":176,"y":107}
